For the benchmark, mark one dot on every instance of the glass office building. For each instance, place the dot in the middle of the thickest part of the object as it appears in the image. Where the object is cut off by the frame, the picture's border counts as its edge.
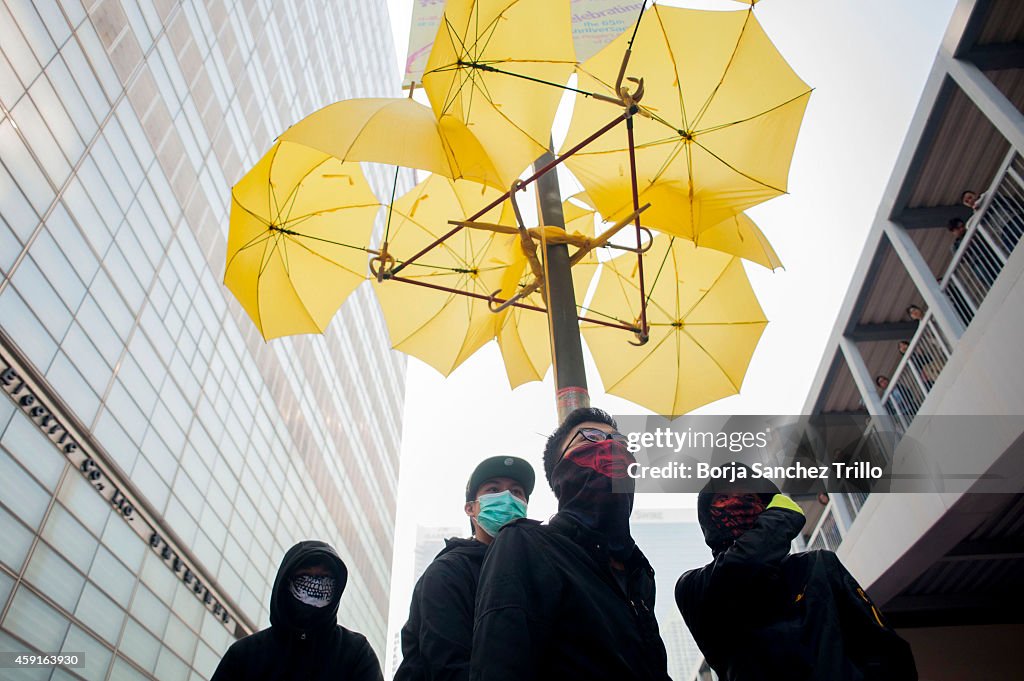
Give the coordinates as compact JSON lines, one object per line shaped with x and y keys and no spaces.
{"x":157,"y":457}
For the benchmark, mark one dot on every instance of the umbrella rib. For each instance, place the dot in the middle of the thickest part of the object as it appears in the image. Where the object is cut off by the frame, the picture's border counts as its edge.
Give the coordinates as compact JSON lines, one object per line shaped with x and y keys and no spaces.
{"x":738,"y":171}
{"x":293,"y":194}
{"x":323,"y":257}
{"x":690,"y":192}
{"x":713,"y":359}
{"x":725,"y":71}
{"x":443,"y":244}
{"x":643,"y":361}
{"x":755,"y":116}
{"x":513,"y":124}
{"x":326,"y":211}
{"x":675,"y":70}
{"x":271,"y":197}
{"x":262,"y":236}
{"x":429,"y":320}
{"x":661,"y":268}
{"x":718,"y":277}
{"x":264,"y":260}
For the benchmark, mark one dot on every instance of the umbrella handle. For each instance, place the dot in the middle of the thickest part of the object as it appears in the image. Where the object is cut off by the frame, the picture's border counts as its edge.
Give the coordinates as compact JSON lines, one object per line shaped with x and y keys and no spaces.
{"x":385,"y":259}
{"x":631,"y":98}
{"x":642,"y":336}
{"x":495,"y":307}
{"x":642,"y":249}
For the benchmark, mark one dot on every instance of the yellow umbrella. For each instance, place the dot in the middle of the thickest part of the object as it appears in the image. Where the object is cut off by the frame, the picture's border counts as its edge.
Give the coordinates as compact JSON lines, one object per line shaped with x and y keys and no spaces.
{"x":523,"y":334}
{"x":718,"y":121}
{"x":427,"y":314}
{"x":705,"y":323}
{"x":300,"y":221}
{"x":399,"y":132}
{"x":482,"y":71}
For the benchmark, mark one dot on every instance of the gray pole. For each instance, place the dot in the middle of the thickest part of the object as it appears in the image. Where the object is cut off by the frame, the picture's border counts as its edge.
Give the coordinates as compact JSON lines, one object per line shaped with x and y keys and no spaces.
{"x":566,"y":347}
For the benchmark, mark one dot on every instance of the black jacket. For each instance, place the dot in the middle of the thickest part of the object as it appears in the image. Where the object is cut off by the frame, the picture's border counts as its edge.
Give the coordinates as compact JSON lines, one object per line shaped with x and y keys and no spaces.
{"x":284,"y":652}
{"x":549,"y":607}
{"x":759,"y":614}
{"x":438,"y":638}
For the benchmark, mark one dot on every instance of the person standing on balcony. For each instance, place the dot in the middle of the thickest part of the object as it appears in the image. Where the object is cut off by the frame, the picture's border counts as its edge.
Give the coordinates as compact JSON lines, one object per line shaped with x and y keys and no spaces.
{"x":1006,"y":212}
{"x":757,"y":612}
{"x":438,"y":638}
{"x":979,"y":256}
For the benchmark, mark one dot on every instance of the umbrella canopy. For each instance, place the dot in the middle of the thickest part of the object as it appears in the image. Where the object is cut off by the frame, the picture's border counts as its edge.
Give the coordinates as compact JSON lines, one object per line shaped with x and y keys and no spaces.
{"x":399,"y":132}
{"x":705,"y":323}
{"x":482,"y":71}
{"x":718,"y":121}
{"x":426,"y":316}
{"x":523,"y":334}
{"x":300,"y":221}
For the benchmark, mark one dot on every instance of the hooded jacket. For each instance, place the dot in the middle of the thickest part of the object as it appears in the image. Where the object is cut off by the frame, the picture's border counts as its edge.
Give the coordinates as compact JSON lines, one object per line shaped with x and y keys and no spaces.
{"x":438,"y":638}
{"x":549,"y":607}
{"x":760,"y":614}
{"x":321,"y":649}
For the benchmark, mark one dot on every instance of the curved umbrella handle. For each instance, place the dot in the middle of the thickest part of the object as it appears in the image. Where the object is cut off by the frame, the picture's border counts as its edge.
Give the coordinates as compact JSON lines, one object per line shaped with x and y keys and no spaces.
{"x":642,"y":249}
{"x":642,"y":336}
{"x":495,"y":307}
{"x":386,"y":261}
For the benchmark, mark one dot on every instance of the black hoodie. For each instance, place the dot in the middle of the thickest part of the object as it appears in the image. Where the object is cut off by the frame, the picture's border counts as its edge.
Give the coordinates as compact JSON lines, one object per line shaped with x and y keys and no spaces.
{"x":549,"y":608}
{"x":438,"y":638}
{"x":758,"y":613}
{"x":321,"y":649}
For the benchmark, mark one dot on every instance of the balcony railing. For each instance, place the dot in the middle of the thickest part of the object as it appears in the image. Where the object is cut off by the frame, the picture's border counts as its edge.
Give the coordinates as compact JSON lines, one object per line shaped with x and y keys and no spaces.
{"x":992,"y":233}
{"x":926,"y":356}
{"x":827,"y":534}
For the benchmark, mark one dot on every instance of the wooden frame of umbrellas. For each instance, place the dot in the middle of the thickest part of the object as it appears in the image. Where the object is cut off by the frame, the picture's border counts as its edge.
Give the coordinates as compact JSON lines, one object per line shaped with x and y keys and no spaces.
{"x":672,"y":322}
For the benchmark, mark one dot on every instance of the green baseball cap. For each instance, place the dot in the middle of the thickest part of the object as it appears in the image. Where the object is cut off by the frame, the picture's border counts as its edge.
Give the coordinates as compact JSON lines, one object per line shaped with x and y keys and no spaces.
{"x":513,"y":467}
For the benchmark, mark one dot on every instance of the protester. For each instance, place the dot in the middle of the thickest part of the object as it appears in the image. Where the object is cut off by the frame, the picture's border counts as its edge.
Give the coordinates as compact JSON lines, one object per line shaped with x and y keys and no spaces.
{"x":573,"y":598}
{"x":304,"y":640}
{"x":437,"y":640}
{"x":758,"y":613}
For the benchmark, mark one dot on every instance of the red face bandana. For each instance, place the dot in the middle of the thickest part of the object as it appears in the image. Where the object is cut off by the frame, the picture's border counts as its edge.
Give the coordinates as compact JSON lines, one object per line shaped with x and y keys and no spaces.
{"x":608,"y":458}
{"x":736,"y":514}
{"x":584,"y":482}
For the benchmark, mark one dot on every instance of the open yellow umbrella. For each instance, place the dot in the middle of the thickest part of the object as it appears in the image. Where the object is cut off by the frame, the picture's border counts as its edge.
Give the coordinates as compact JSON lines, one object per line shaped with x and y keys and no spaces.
{"x":523,"y":334}
{"x":484,"y":69}
{"x":427,"y":310}
{"x":399,"y":132}
{"x":718,"y":120}
{"x":300,"y":222}
{"x":705,"y":323}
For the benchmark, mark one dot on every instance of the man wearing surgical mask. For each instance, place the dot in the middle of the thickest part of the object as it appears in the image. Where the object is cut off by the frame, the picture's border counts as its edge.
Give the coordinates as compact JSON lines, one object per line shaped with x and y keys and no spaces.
{"x":573,"y":598}
{"x":437,"y":639}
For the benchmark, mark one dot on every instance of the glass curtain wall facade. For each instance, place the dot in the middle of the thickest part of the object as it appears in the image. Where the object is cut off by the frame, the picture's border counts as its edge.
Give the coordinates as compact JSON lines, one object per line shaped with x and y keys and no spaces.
{"x":157,"y":458}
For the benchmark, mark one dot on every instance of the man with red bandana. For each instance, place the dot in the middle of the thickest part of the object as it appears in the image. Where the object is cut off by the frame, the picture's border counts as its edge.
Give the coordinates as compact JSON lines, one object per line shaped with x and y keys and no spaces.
{"x":572,"y":598}
{"x":757,"y":612}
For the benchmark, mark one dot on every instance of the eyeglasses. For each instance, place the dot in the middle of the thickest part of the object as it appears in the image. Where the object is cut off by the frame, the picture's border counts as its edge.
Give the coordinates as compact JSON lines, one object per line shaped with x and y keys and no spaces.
{"x":594,"y":435}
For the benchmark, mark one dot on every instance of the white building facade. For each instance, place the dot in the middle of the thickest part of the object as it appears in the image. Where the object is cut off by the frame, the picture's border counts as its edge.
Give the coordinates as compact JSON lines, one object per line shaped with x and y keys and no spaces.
{"x":944,"y":560}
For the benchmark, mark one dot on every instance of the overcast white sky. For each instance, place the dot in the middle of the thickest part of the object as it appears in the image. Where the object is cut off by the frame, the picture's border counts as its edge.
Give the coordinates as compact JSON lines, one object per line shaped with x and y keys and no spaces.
{"x":867,"y":60}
